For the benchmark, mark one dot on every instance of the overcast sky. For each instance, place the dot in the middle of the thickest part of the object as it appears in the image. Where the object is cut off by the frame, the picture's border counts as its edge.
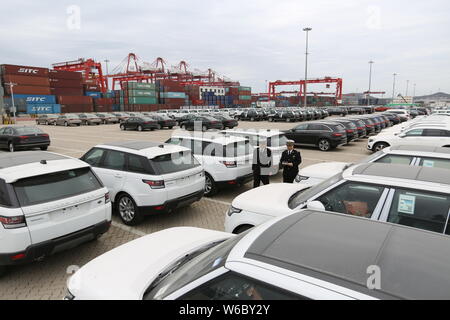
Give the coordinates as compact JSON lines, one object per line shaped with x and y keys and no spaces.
{"x":247,"y":40}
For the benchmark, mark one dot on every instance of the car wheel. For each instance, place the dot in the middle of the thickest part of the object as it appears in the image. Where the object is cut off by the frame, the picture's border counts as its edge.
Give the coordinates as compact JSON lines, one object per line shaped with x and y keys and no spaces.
{"x":210,"y":186}
{"x":46,"y":123}
{"x":183,"y":126}
{"x":242,"y":229}
{"x":252,"y":119}
{"x":380,"y":146}
{"x":140,"y":128}
{"x":11,"y":147}
{"x":270,"y":119}
{"x":122,"y":127}
{"x":288,"y":120}
{"x":128,"y":210}
{"x":54,"y":123}
{"x":66,"y":124}
{"x":170,"y":128}
{"x":159,"y":127}
{"x":324,"y":145}
{"x":204,"y":128}
{"x":44,"y":148}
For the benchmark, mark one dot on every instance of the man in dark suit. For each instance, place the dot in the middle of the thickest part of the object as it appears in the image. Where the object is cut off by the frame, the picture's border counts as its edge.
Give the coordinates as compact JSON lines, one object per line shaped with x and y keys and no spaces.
{"x":290,"y":160}
{"x":262,"y":164}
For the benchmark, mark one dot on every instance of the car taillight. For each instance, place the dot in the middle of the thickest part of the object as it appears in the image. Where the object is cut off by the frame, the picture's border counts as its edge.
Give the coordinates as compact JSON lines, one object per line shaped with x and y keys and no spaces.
{"x":45,"y":135}
{"x":23,"y":137}
{"x":230,"y":164}
{"x":107,"y":198}
{"x":337,"y":134}
{"x":349,"y":131}
{"x":360,"y":128}
{"x":369,"y":126}
{"x":13,"y":222}
{"x":155,"y":184}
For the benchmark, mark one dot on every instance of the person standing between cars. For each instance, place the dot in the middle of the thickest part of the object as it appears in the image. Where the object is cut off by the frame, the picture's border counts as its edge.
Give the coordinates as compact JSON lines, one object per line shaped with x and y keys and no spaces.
{"x":290,"y":160}
{"x":262,"y":163}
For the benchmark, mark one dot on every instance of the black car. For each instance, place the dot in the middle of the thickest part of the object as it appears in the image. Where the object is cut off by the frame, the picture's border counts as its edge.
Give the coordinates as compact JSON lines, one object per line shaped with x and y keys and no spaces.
{"x":325,"y":135}
{"x":360,"y":126}
{"x":164,"y":121}
{"x":356,"y":110}
{"x":376,"y":127}
{"x":393,"y":118}
{"x":368,"y":109}
{"x":369,"y":124}
{"x":15,"y":138}
{"x":350,"y":128}
{"x":286,"y":116}
{"x":252,"y":115}
{"x":179,"y":118}
{"x":201,"y":122}
{"x":338,"y":111}
{"x":227,"y":121}
{"x":139,"y":124}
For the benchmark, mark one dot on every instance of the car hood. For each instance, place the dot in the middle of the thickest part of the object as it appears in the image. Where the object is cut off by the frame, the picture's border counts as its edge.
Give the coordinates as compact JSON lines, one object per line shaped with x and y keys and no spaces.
{"x":323,"y":170}
{"x":271,"y":200}
{"x":125,"y":272}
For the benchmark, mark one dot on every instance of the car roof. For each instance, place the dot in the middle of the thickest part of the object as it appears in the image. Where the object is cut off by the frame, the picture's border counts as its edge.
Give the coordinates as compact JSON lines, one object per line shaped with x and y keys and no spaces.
{"x":26,"y":164}
{"x":259,"y":132}
{"x":147,"y":149}
{"x":396,"y":171}
{"x":339,"y":249}
{"x":421,"y":148}
{"x":215,"y":137}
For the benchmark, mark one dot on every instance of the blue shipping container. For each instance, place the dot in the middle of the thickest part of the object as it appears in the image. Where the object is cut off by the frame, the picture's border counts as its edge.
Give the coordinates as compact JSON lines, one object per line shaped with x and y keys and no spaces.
{"x":43,"y":108}
{"x":33,"y":98}
{"x":97,"y":95}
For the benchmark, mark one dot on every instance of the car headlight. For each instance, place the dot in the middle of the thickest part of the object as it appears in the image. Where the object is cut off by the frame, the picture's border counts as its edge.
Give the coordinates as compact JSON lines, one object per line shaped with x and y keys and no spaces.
{"x":300,"y":178}
{"x":232,"y":210}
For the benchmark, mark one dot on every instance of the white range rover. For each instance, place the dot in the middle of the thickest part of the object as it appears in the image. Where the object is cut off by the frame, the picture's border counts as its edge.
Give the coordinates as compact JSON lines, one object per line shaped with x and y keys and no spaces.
{"x":48,"y":203}
{"x":145,"y":177}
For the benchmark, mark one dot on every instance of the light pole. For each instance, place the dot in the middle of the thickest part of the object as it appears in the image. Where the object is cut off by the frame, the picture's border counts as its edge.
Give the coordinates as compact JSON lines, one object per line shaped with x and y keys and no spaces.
{"x":370,"y":82}
{"x":393,"y":88}
{"x":11,"y":86}
{"x":307,"y":30}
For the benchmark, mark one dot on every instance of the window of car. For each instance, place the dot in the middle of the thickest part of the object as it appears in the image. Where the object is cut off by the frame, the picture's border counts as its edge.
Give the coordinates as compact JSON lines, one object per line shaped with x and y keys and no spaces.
{"x":396,"y":159}
{"x":55,"y":186}
{"x":2,"y":130}
{"x":420,"y":209}
{"x":435,"y":162}
{"x":301,"y":127}
{"x":175,"y":162}
{"x":28,"y":130}
{"x":353,"y":198}
{"x":5,"y":199}
{"x":414,"y":133}
{"x":137,"y":164}
{"x":114,"y":160}
{"x":94,"y":157}
{"x":237,"y":149}
{"x":277,"y":141}
{"x":9,"y":131}
{"x":317,"y":127}
{"x":434,"y":133}
{"x":233,"y":286}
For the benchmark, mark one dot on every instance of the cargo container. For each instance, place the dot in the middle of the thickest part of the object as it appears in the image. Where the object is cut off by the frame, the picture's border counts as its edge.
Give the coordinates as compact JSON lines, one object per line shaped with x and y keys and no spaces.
{"x":36,"y":99}
{"x":66,"y":91}
{"x":173,"y":95}
{"x":74,"y":100}
{"x":31,"y":90}
{"x":142,"y":100}
{"x":60,"y":74}
{"x":142,"y":93}
{"x":76,"y":108}
{"x":139,"y":86}
{"x":103,"y":101}
{"x":43,"y":108}
{"x":64,"y":83}
{"x":27,"y":80}
{"x":8,"y":69}
{"x":91,"y":87}
{"x":245,"y":97}
{"x":95,"y":95}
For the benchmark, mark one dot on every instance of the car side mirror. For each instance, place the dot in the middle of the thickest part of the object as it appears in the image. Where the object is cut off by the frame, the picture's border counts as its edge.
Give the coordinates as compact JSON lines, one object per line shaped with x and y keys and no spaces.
{"x":402,"y":135}
{"x":316,"y":205}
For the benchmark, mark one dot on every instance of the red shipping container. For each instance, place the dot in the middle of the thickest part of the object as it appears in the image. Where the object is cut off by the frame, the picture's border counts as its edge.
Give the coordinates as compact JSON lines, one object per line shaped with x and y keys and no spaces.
{"x":76,"y":100}
{"x":27,"y":81}
{"x":64,"y":83}
{"x":61,"y":74}
{"x":92,"y":88}
{"x":103,"y":108}
{"x":103,"y":101}
{"x":76,"y":108}
{"x":89,"y":81}
{"x":28,"y":90}
{"x":66,"y":91}
{"x":24,"y":70}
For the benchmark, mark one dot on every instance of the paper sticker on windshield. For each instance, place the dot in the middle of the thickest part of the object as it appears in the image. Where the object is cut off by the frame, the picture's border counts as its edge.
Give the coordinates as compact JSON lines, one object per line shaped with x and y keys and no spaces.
{"x":406,"y":204}
{"x":428,"y":163}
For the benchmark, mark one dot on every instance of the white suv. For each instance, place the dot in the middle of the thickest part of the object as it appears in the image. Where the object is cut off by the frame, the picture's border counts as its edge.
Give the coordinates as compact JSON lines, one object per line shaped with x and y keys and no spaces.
{"x":145,"y":177}
{"x":417,"y":197}
{"x":227,"y":160}
{"x":276,"y":141}
{"x":48,"y":203}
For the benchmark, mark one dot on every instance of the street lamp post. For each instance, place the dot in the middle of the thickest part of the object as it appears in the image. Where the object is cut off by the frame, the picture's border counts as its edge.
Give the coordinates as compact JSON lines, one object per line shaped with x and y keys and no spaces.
{"x":370,"y":82}
{"x":393,"y":88}
{"x":307,"y":30}
{"x":11,"y":86}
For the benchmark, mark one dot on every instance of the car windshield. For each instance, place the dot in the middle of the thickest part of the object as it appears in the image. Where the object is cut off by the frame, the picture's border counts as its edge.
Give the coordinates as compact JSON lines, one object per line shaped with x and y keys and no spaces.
{"x":304,"y":195}
{"x":185,"y":272}
{"x":147,"y":119}
{"x":175,"y":162}
{"x":55,"y":186}
{"x":28,"y":130}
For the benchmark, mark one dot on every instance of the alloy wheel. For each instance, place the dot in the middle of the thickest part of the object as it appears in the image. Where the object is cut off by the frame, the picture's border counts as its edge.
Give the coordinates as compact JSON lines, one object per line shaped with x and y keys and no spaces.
{"x":126,"y":209}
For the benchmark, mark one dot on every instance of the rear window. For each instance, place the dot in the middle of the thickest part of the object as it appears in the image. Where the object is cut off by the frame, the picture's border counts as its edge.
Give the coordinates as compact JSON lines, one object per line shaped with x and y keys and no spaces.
{"x":237,"y":149}
{"x":277,"y":141}
{"x":55,"y":186}
{"x":28,"y":130}
{"x":175,"y":162}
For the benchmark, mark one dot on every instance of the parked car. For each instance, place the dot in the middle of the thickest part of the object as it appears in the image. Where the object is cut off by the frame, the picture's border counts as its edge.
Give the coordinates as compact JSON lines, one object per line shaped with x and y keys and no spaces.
{"x":88,"y":119}
{"x":338,"y":111}
{"x":310,"y":255}
{"x":251,"y":114}
{"x":411,"y":155}
{"x":145,"y":178}
{"x":227,"y":160}
{"x":47,"y":119}
{"x":68,"y":120}
{"x":164,"y":121}
{"x":393,"y":118}
{"x":49,"y":203}
{"x":274,"y":139}
{"x":350,"y":128}
{"x":417,"y":197}
{"x":356,"y":110}
{"x":139,"y":123}
{"x":107,"y":118}
{"x":14,"y":138}
{"x":433,"y":136}
{"x":227,"y":121}
{"x":325,"y":135}
{"x":201,"y":123}
{"x":403,"y":114}
{"x":121,"y":116}
{"x":286,"y":116}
